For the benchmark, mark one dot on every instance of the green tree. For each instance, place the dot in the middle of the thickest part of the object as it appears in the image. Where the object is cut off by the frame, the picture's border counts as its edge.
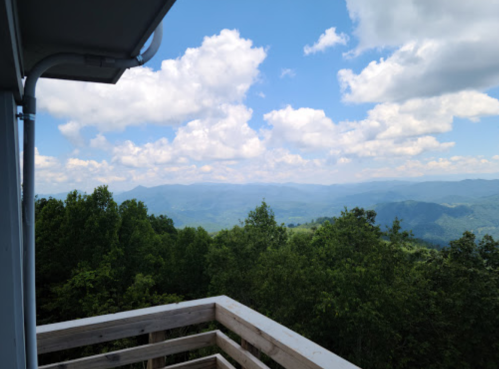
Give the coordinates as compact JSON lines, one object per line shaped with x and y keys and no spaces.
{"x":235,"y":254}
{"x":189,"y":262}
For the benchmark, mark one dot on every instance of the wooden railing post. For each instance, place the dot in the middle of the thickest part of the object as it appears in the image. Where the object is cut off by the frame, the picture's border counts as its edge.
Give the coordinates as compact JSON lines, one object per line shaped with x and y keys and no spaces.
{"x":259,"y":335}
{"x":160,"y":361}
{"x":250,"y":348}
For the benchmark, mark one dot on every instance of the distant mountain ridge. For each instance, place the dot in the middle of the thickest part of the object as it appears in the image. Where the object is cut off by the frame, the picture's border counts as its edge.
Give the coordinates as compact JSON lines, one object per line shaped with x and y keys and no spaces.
{"x":436,"y":211}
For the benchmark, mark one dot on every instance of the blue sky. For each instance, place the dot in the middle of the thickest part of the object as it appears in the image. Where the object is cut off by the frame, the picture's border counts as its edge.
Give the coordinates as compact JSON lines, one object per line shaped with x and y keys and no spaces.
{"x":287,"y":91}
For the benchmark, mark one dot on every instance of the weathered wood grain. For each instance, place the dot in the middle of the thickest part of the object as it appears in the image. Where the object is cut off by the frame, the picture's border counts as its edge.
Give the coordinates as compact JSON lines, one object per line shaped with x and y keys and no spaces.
{"x":242,"y":356}
{"x":88,"y":331}
{"x":222,"y":363}
{"x":257,"y":332}
{"x":209,"y":362}
{"x":251,"y":349}
{"x":286,"y":347}
{"x":158,"y":362}
{"x":140,"y":353}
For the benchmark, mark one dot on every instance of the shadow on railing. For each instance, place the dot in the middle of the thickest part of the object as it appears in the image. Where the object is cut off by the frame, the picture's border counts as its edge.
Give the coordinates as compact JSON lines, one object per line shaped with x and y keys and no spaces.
{"x":258,"y":333}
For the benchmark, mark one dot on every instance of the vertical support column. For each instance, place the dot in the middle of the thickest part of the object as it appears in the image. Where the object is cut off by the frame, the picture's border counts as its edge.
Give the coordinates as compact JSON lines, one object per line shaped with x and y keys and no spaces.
{"x":250,"y":348}
{"x":160,"y":361}
{"x":12,"y":340}
{"x":28,"y":211}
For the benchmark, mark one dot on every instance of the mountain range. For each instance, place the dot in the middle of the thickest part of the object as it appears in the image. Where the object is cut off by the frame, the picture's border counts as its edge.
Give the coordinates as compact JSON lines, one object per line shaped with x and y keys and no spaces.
{"x":436,"y":211}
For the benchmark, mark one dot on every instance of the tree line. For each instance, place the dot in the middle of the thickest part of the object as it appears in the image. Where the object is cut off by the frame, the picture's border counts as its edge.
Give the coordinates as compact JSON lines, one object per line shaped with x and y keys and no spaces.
{"x":372,"y":296}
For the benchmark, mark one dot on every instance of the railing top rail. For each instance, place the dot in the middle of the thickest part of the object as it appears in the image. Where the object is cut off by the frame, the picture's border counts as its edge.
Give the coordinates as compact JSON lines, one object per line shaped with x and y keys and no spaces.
{"x":282,"y":337}
{"x":285,"y":346}
{"x":124,"y":315}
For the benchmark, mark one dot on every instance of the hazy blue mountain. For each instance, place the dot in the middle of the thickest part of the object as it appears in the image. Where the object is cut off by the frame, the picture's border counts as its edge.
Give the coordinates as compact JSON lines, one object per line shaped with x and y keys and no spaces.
{"x":441,"y":223}
{"x":436,"y":211}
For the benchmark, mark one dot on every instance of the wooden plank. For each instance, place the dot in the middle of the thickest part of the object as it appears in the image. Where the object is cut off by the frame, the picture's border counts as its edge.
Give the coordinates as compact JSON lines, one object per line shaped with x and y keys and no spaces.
{"x":258,"y":340}
{"x":286,"y":347}
{"x":88,"y":331}
{"x":222,"y":363}
{"x":140,"y":353}
{"x":251,"y":349}
{"x":158,"y":362}
{"x":239,"y":354}
{"x":209,"y":362}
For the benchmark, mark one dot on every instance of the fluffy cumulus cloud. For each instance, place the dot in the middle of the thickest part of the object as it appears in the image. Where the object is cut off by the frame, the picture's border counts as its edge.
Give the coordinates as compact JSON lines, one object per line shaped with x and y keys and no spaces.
{"x":218,"y":72}
{"x":435,"y":166}
{"x":390,"y":129}
{"x":45,"y":162}
{"x":55,"y":175}
{"x":100,"y":142}
{"x":150,"y":154}
{"x":71,"y":131}
{"x":392,"y":22}
{"x":135,"y":168}
{"x":441,"y":57}
{"x":441,"y":46}
{"x":311,"y":131}
{"x":226,"y":137}
{"x":304,"y":128}
{"x":328,"y":39}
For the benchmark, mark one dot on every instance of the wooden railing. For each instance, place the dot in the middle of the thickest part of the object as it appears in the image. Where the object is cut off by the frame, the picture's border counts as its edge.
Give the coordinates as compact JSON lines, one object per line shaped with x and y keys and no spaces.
{"x":258,"y":334}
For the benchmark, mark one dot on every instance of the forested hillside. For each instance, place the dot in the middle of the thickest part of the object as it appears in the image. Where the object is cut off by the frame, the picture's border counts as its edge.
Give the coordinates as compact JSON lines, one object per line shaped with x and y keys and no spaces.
{"x":440,"y":223}
{"x":365,"y":294}
{"x":436,"y":212}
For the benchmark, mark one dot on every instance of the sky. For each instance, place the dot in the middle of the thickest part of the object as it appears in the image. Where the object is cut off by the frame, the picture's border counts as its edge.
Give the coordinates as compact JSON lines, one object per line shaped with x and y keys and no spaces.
{"x":286,"y":91}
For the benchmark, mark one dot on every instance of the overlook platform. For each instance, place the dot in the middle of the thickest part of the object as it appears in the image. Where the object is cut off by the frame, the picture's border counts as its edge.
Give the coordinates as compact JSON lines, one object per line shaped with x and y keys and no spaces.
{"x":258,"y":334}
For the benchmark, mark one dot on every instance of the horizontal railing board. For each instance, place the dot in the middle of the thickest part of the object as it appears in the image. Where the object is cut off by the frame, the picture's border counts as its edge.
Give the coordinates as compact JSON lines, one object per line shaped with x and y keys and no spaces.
{"x":208,"y":362}
{"x":258,"y":340}
{"x":283,"y":345}
{"x":280,"y":343}
{"x":139,"y":353}
{"x":235,"y":351}
{"x":222,"y":363}
{"x":89,"y":331}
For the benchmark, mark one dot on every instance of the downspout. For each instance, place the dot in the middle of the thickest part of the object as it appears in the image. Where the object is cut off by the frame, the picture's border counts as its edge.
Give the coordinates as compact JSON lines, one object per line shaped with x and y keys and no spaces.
{"x":29,"y":115}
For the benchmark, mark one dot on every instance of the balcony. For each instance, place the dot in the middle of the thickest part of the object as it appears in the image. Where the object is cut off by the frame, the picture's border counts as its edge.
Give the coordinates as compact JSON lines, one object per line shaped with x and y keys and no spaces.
{"x":258,"y":334}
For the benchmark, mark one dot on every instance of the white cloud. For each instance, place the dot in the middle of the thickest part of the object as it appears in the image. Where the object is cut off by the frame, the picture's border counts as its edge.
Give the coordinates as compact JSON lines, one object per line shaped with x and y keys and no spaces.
{"x":305,"y":128}
{"x":387,"y":148}
{"x":53,"y":175}
{"x":441,"y":46}
{"x":440,"y":166}
{"x":344,"y":160}
{"x":432,"y":115}
{"x":424,"y":69}
{"x":287,"y":72}
{"x":227,"y":137}
{"x":218,"y":72}
{"x":150,"y":154}
{"x":328,"y":39}
{"x":206,"y":169}
{"x":44,"y":162}
{"x":389,"y":23}
{"x":389,"y":129}
{"x":100,"y":142}
{"x":281,"y":156}
{"x":71,"y":131}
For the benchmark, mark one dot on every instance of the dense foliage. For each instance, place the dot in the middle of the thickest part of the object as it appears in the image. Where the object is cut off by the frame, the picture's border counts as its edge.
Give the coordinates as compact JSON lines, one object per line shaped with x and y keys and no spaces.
{"x":371,"y":296}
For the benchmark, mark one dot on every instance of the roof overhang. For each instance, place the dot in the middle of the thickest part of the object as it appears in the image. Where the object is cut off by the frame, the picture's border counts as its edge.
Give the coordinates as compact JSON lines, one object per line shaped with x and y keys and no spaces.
{"x":31,"y":30}
{"x":11,"y":72}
